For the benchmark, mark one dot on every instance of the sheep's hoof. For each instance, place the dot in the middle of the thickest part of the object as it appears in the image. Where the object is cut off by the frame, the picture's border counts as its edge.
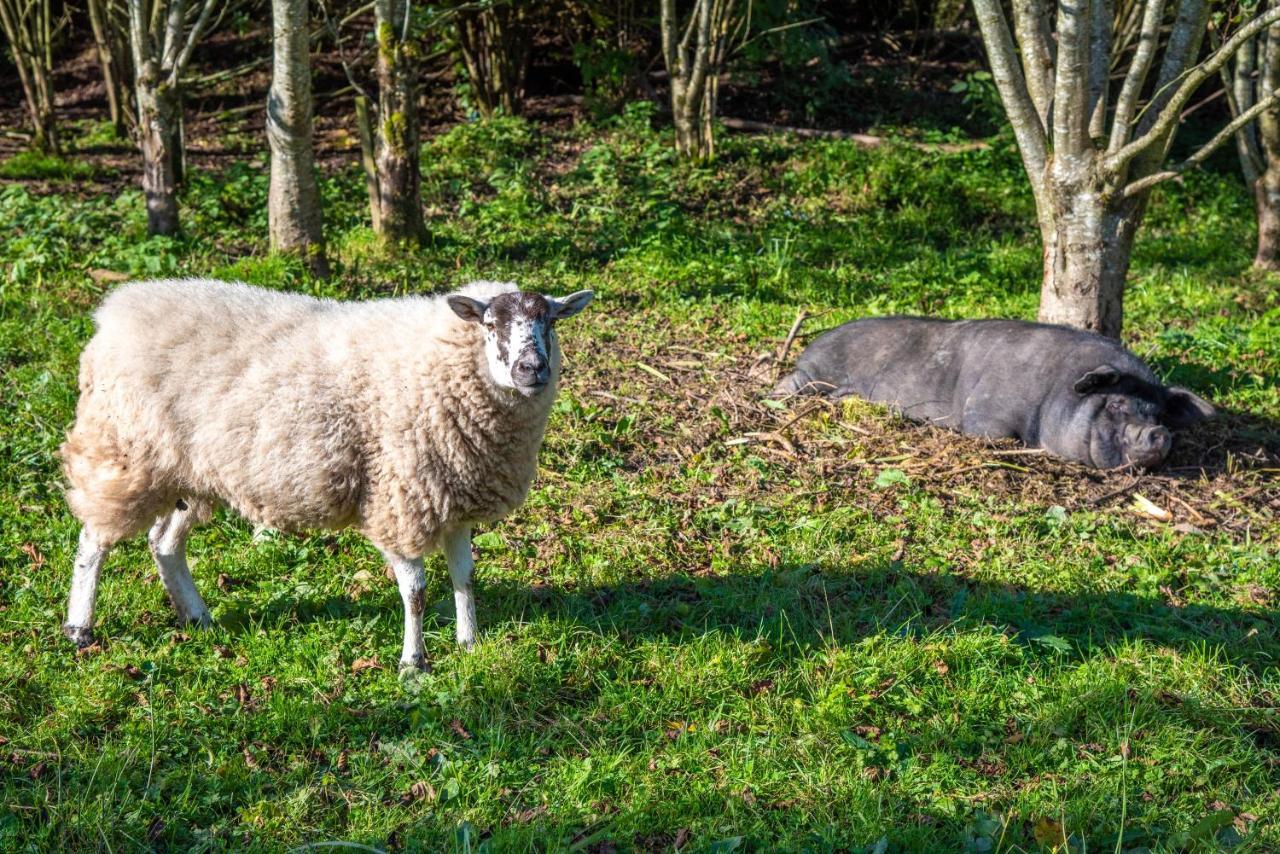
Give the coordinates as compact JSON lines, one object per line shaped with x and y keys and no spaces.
{"x":81,"y":636}
{"x":414,"y":666}
{"x":199,"y":621}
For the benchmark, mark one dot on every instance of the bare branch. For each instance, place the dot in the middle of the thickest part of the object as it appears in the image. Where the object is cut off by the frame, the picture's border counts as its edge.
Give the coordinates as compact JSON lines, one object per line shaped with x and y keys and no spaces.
{"x":192,"y":39}
{"x":1035,"y":41}
{"x":1161,"y":127}
{"x":1027,"y":127}
{"x":1071,"y":83}
{"x":1208,"y":148}
{"x":174,"y":23}
{"x":1238,"y":86}
{"x":1101,"y":15}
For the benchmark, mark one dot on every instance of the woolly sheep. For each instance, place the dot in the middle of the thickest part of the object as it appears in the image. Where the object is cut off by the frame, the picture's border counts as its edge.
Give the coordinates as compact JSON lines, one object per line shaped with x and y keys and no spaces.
{"x":409,"y":419}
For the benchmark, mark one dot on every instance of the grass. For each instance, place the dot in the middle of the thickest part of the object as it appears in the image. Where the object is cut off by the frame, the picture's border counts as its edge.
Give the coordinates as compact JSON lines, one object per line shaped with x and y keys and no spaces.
{"x":690,"y":638}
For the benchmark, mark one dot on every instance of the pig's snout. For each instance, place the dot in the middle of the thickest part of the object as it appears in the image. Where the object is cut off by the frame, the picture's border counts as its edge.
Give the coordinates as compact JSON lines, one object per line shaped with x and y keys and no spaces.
{"x":1148,"y":445}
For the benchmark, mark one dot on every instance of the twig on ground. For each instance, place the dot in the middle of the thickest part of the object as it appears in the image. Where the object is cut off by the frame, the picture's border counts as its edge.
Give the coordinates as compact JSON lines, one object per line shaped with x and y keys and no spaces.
{"x":801,"y":316}
{"x":862,"y":139}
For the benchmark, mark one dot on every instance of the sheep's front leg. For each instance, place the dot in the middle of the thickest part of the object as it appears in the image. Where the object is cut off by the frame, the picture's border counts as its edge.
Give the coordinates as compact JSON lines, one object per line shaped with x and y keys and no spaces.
{"x":413,"y":592}
{"x":90,"y":556}
{"x":457,"y":552}
{"x":168,"y":540}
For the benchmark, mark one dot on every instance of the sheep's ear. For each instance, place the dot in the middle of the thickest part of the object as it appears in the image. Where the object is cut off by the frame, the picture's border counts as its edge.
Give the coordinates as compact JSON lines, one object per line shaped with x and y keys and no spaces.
{"x":562,"y":307}
{"x":1182,"y":408}
{"x":1099,"y":377}
{"x":468,"y":308}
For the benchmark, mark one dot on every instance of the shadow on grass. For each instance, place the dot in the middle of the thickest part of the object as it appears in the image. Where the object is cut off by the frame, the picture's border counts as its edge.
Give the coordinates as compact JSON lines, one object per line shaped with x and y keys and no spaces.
{"x":1229,"y":442}
{"x":808,"y":604}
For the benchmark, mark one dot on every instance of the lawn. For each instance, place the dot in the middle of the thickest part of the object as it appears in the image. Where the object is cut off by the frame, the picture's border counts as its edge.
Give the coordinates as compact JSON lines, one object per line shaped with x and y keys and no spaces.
{"x":718,"y":623}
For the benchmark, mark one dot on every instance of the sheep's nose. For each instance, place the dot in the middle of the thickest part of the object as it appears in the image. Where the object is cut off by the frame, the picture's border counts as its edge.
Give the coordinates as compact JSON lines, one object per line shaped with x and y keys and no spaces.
{"x":532,"y":369}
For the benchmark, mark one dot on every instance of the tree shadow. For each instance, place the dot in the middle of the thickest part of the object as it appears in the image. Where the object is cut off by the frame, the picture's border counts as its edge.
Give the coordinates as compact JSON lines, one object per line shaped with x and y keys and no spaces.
{"x":814,"y":604}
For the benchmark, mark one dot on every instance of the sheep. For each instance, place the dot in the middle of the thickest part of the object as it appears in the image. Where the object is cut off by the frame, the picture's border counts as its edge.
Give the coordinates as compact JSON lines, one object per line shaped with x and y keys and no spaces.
{"x":410,"y":420}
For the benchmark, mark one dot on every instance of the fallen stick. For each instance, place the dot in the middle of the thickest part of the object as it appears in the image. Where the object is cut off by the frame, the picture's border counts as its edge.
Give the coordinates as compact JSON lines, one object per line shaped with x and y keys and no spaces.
{"x":863,"y":139}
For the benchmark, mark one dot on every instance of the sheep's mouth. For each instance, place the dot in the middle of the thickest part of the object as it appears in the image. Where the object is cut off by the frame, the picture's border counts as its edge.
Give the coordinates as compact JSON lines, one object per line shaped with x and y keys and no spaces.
{"x":532,"y":388}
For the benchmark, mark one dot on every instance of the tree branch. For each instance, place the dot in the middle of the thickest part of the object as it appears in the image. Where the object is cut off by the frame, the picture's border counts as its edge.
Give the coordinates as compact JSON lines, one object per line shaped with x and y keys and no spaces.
{"x":1208,"y":148}
{"x":1101,"y":16}
{"x":1035,"y":41}
{"x":1071,"y":83}
{"x":1168,"y":117}
{"x":192,"y":39}
{"x":1027,"y":127}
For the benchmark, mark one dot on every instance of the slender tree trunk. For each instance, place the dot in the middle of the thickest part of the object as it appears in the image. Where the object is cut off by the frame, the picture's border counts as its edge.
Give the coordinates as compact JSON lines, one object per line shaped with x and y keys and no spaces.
{"x":29,"y":30}
{"x":1266,"y":187}
{"x":494,"y":42}
{"x":104,"y":39}
{"x":369,"y":161}
{"x":158,"y":108}
{"x":399,"y":191}
{"x":293,"y":200}
{"x":1266,"y":194}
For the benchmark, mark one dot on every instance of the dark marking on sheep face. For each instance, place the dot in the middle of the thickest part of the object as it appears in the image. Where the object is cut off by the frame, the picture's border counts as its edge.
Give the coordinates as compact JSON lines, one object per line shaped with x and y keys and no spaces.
{"x":180,"y":504}
{"x":518,"y":337}
{"x":519,"y":334}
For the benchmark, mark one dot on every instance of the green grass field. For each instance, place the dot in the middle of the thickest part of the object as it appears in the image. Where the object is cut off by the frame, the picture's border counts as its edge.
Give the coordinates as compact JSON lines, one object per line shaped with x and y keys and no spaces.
{"x":716,"y":625}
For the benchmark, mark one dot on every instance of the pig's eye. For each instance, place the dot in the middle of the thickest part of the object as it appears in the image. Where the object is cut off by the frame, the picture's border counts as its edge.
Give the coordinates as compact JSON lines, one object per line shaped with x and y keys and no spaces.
{"x":1117,"y":406}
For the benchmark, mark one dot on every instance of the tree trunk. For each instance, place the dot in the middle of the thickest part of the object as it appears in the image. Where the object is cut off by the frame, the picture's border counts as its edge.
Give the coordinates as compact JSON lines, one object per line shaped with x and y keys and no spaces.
{"x":158,"y":107}
{"x":1087,"y":246}
{"x":399,"y":192}
{"x":109,"y":57}
{"x":293,"y":200}
{"x":369,"y":161}
{"x":1266,"y":194}
{"x":494,"y":42}
{"x":29,"y":31}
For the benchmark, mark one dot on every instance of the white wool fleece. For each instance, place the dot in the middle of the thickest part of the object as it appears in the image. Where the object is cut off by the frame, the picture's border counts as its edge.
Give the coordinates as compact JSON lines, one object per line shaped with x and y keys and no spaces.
{"x":298,"y":413}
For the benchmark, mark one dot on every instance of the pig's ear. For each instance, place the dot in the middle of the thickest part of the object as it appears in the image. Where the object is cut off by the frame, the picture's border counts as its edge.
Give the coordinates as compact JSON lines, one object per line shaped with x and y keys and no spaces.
{"x":1182,"y":408}
{"x":1098,"y":378}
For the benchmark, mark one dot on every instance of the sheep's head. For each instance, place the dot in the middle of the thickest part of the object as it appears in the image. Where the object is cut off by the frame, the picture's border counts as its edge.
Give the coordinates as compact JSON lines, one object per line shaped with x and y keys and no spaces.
{"x":519,"y":334}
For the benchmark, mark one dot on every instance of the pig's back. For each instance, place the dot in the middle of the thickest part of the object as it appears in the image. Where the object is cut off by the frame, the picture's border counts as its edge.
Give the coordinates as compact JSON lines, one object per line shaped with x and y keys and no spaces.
{"x":985,"y":376}
{"x":910,"y":363}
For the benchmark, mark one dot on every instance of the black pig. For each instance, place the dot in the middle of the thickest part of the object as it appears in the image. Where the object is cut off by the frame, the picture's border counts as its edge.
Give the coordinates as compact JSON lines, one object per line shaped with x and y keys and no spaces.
{"x":1078,"y":395}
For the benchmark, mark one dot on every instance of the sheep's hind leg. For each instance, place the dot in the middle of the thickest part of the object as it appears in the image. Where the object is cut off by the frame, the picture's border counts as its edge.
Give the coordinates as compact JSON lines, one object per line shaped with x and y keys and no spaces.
{"x":168,"y":539}
{"x":90,"y":555}
{"x":412,"y":581}
{"x":457,"y":552}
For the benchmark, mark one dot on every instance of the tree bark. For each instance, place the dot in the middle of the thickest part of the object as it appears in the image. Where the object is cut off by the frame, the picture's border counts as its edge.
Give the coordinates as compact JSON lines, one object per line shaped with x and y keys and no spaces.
{"x":399,"y":179}
{"x":162,"y":36}
{"x":106,"y":39}
{"x":293,"y":199}
{"x":1087,"y":248}
{"x":1266,"y":193}
{"x":158,"y":108}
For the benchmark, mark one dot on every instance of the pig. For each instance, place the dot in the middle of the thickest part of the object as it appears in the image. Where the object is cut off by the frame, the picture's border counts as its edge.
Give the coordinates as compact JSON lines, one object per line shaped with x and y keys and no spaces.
{"x":1079,"y":395}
